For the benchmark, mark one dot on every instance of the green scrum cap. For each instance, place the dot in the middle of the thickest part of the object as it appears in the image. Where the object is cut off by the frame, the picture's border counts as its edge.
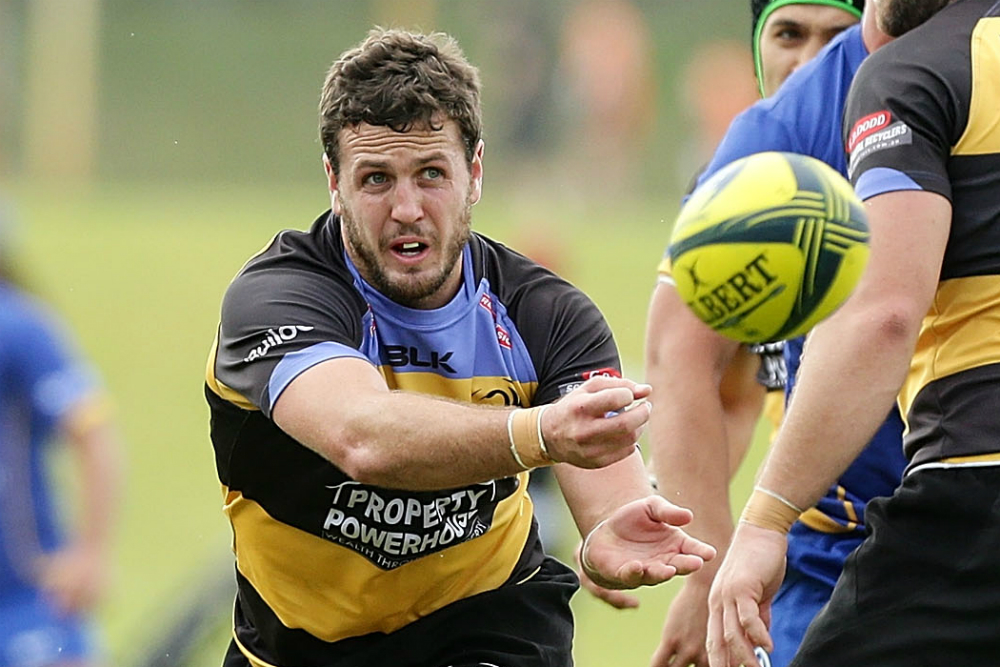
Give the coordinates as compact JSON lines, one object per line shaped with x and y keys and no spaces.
{"x":761,"y":9}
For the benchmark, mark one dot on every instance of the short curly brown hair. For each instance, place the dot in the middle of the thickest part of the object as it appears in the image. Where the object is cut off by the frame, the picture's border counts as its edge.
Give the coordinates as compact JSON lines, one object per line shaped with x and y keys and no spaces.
{"x":397,"y":79}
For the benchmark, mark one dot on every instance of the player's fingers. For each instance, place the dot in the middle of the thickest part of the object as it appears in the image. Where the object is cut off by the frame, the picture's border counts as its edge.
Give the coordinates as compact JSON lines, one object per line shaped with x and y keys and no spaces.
{"x":715,"y":644}
{"x":739,"y":649}
{"x":752,"y":624}
{"x":656,"y":573}
{"x":686,"y":563}
{"x":662,"y":510}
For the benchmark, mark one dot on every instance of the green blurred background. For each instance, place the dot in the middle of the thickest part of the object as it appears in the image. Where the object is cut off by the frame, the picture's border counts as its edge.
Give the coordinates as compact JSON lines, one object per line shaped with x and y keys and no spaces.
{"x":148,"y":148}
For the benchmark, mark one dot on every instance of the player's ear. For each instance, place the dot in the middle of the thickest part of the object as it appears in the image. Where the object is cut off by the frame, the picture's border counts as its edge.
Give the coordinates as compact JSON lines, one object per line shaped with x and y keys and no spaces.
{"x":476,"y":170}
{"x":331,"y":180}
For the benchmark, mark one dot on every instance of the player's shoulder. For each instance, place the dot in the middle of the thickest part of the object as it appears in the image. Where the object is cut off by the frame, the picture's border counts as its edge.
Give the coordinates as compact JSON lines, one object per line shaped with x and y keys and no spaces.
{"x":933,"y":50}
{"x":521,"y":282}
{"x":22,"y":311}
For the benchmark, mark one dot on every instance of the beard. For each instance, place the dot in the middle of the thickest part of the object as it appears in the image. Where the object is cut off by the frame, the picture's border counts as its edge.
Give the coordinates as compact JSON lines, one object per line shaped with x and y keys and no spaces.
{"x":415,"y":286}
{"x":897,"y":17}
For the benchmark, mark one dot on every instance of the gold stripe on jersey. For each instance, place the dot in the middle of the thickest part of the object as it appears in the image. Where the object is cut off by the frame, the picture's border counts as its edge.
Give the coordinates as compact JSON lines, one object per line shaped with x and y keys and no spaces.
{"x":251,"y":658}
{"x":823,"y":523}
{"x":483,"y":390}
{"x":958,"y":333}
{"x":220,"y":389}
{"x":333,"y":593}
{"x":973,"y":460}
{"x":982,"y":133}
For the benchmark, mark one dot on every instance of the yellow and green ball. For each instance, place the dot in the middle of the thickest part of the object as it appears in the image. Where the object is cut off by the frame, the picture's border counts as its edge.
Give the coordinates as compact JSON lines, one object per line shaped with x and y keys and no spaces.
{"x":769,"y":246}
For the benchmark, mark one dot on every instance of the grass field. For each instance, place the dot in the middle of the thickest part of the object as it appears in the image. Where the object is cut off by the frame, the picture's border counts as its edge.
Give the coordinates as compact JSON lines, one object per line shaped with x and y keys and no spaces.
{"x":139,"y":273}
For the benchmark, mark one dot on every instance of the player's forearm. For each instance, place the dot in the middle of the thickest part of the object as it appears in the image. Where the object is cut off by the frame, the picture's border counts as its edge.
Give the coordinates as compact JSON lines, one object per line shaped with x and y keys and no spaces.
{"x":411,"y":441}
{"x":619,"y":484}
{"x":853,"y":367}
{"x":99,"y":452}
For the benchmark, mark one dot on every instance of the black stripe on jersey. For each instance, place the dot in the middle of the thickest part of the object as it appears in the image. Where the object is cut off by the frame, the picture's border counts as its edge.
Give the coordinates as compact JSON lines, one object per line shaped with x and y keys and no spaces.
{"x":970,"y":419}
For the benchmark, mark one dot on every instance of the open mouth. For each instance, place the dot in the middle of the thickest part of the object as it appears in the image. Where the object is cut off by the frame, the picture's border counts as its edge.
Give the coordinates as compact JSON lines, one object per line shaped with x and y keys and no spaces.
{"x":409,"y":249}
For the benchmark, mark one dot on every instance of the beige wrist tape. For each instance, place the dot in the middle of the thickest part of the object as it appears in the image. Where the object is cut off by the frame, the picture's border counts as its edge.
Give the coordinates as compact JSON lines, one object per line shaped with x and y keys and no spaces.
{"x":767,"y":509}
{"x":524,"y":429}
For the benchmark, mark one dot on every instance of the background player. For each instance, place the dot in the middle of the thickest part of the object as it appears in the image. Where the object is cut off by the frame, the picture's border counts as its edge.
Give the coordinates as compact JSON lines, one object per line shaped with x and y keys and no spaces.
{"x":49,"y":583}
{"x":922,"y":588}
{"x":696,"y":442}
{"x":365,"y":390}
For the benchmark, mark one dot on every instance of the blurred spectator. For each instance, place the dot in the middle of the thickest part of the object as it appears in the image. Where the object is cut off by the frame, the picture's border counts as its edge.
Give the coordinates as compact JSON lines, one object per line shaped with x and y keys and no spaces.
{"x":49,"y":583}
{"x":717,"y":84}
{"x":607,"y":56}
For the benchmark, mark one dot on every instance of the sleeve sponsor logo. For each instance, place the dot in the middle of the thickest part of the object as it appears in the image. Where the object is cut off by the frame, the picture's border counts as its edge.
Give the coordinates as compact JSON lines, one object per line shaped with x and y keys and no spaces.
{"x":391,"y":528}
{"x":273,"y":338}
{"x":870,"y":123}
{"x":586,"y":375}
{"x":486,"y":302}
{"x":601,"y":372}
{"x":895,"y":135}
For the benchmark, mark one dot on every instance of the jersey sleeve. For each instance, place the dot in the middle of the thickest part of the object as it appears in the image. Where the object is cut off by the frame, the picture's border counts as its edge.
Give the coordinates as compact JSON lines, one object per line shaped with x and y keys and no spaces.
{"x":45,"y":363}
{"x":897,"y":126}
{"x":276,"y":323}
{"x":578,"y":345}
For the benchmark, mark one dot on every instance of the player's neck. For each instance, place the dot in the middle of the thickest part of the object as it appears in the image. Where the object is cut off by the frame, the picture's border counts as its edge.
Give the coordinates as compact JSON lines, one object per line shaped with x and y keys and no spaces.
{"x":871,"y":34}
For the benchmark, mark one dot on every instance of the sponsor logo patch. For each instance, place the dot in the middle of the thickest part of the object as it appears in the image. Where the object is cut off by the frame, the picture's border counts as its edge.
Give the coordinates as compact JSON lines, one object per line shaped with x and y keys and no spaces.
{"x":275,"y":337}
{"x":391,"y":528}
{"x":892,"y":136}
{"x":871,"y":123}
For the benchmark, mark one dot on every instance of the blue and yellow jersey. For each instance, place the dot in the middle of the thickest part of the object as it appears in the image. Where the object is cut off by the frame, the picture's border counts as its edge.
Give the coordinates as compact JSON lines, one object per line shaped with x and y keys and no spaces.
{"x":320,"y":557}
{"x":42,"y":380}
{"x":925,"y":115}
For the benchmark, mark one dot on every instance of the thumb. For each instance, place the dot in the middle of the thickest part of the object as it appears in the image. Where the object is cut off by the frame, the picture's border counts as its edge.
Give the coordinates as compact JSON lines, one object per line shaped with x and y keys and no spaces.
{"x":662,"y":510}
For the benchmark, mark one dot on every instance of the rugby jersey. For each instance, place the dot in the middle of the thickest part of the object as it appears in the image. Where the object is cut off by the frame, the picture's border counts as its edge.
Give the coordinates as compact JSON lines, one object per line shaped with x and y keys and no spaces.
{"x":320,"y":557}
{"x":924,"y":114}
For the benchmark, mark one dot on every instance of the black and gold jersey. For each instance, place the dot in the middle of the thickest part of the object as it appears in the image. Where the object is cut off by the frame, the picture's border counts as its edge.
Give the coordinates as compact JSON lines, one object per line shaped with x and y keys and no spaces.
{"x":924,"y":114}
{"x":321,"y":557}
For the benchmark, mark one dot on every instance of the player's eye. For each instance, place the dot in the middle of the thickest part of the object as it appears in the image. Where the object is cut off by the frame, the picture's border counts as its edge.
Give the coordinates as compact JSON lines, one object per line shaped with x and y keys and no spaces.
{"x":789,"y":35}
{"x":433,"y":173}
{"x":374,"y":178}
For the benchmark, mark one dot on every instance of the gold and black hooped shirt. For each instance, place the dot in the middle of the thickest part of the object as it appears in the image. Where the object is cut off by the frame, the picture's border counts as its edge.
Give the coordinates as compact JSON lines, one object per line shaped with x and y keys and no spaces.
{"x":924,"y":114}
{"x":321,"y":557}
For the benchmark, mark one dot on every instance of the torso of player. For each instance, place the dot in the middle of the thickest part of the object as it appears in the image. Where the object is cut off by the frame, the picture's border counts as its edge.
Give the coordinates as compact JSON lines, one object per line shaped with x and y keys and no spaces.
{"x":907,"y":129}
{"x":338,"y":558}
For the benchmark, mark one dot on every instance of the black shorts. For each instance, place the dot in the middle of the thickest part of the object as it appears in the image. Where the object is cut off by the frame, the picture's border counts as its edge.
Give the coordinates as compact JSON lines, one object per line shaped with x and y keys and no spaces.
{"x":924,"y":586}
{"x":526,"y":625}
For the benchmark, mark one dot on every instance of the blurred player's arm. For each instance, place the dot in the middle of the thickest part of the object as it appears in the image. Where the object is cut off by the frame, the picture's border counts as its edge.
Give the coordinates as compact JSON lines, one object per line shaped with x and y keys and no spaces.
{"x":78,"y":575}
{"x":695,"y":444}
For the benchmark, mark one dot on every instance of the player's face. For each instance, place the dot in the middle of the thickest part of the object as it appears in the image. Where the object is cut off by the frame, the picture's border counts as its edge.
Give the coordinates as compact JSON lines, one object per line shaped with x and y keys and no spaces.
{"x":405,"y":200}
{"x":897,"y":17}
{"x":792,"y":35}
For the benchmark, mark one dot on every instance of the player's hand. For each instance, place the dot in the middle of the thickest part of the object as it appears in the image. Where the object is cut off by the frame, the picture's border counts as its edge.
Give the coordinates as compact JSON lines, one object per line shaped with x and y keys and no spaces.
{"x":596,"y":424}
{"x":640,"y":544}
{"x":617,"y":599}
{"x":739,"y":603}
{"x":682,"y":642}
{"x":75,"y":577}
